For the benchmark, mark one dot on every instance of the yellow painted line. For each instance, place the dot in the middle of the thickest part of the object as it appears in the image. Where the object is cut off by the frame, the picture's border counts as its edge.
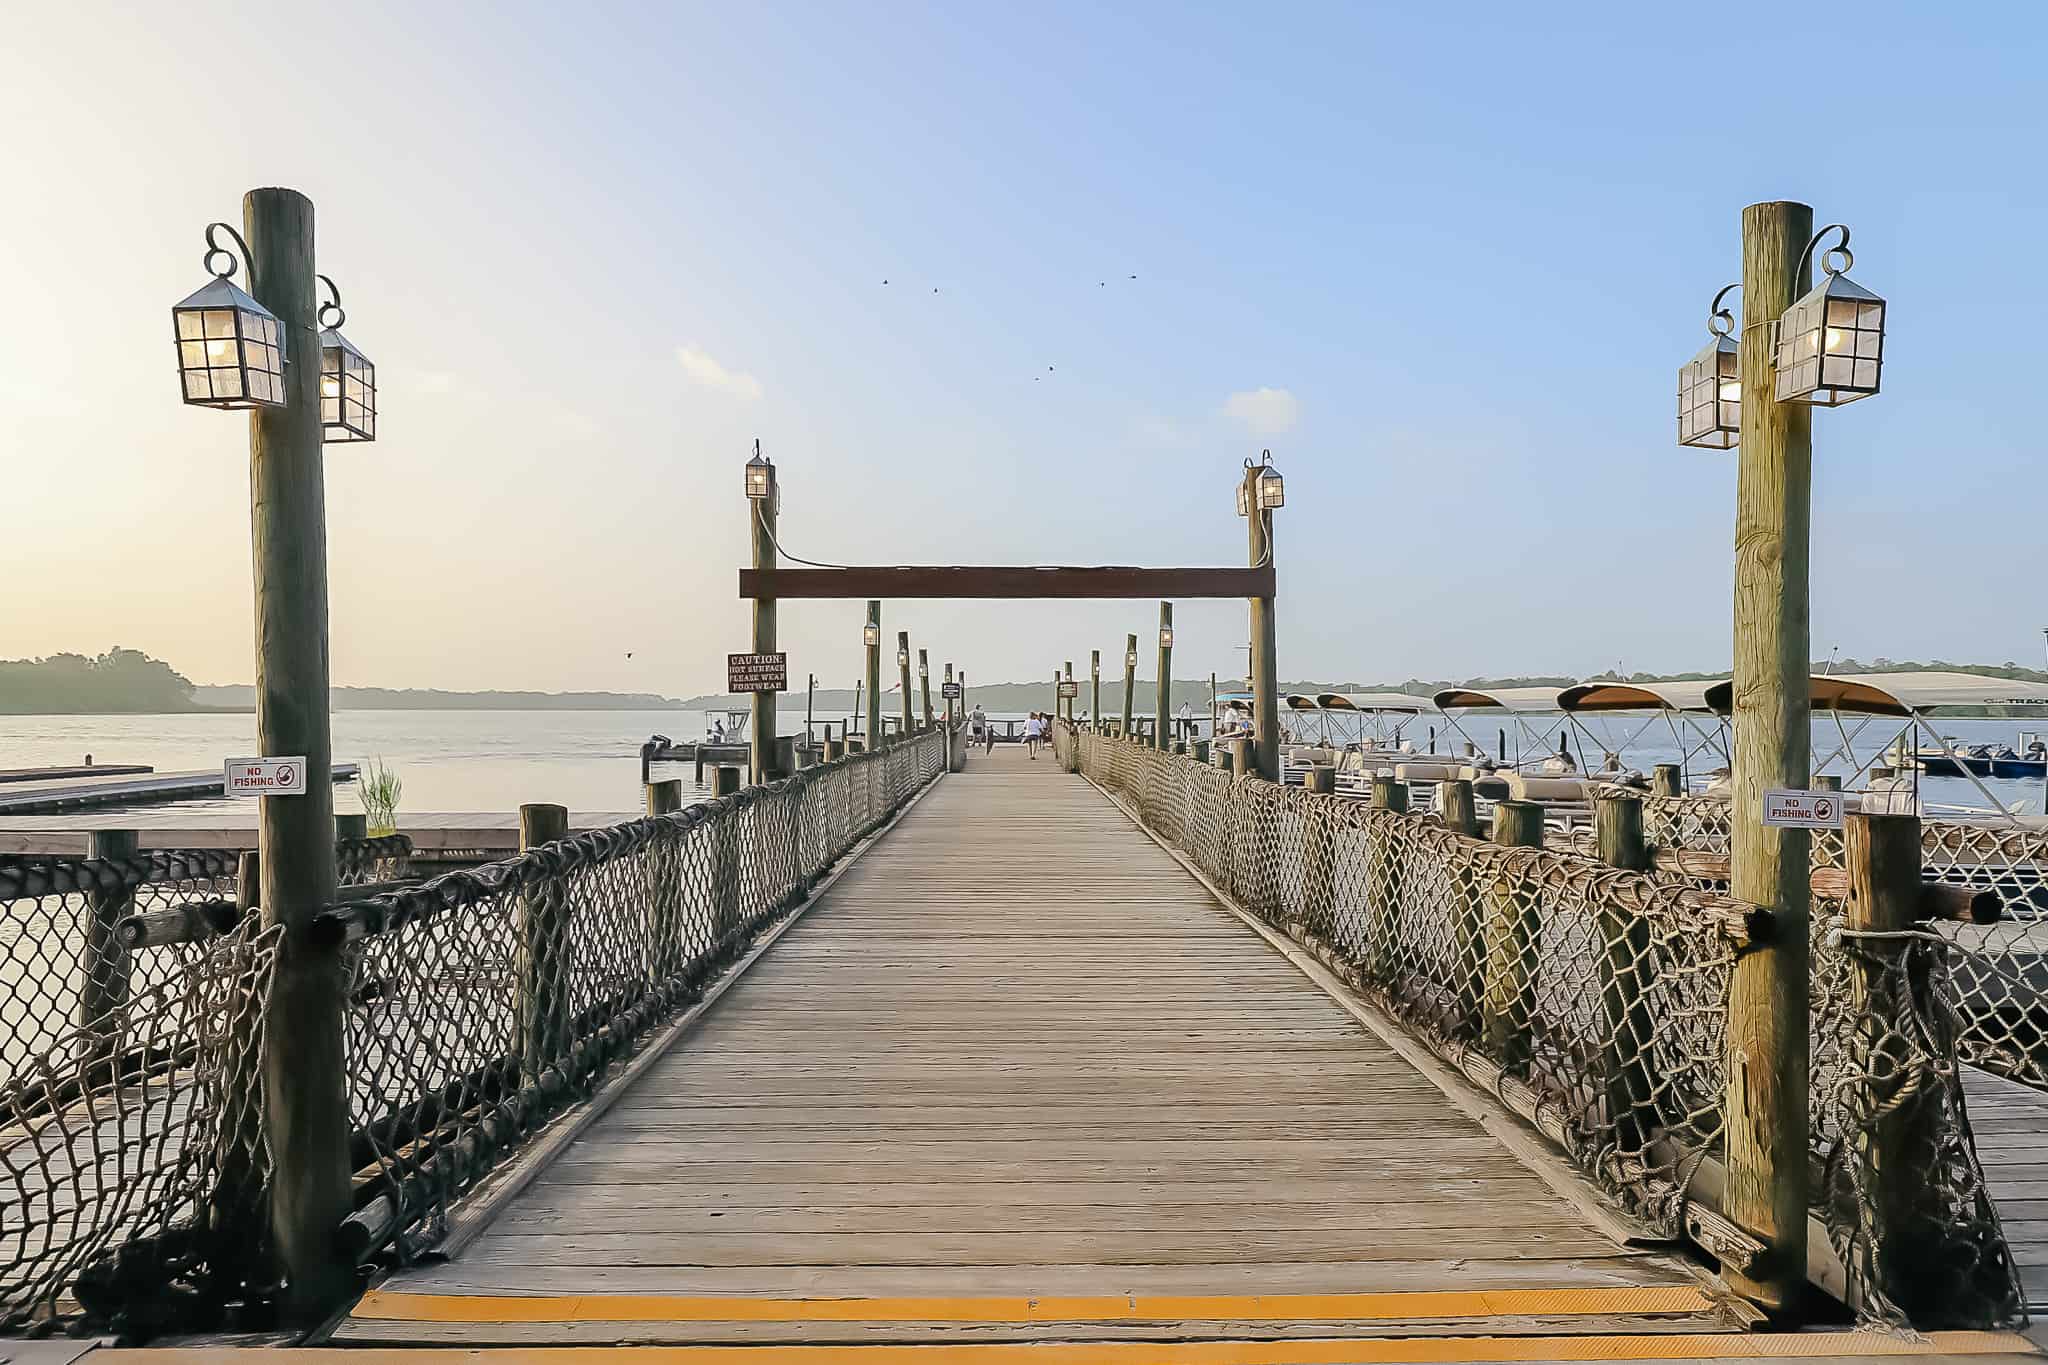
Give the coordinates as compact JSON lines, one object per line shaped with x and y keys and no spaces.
{"x":503,"y":1308}
{"x":1357,"y":1351}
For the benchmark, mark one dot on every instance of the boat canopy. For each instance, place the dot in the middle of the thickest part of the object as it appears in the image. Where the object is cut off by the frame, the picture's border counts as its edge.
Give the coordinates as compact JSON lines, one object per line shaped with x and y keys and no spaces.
{"x":1902,"y":694}
{"x":1654,"y":696}
{"x":1498,"y":698}
{"x":1296,"y":701}
{"x":1399,"y":702}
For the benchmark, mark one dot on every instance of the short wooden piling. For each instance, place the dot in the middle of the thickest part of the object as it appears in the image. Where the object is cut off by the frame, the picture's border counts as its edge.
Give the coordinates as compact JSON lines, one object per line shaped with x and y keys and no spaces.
{"x":1199,"y":751}
{"x":1240,"y":761}
{"x":543,"y":951}
{"x":1318,"y":852}
{"x":1666,"y":779}
{"x":1513,"y":927}
{"x":725,"y":868}
{"x":1627,"y":976}
{"x":1456,"y":808}
{"x":1883,"y":854}
{"x":1383,"y":880}
{"x":103,"y":958}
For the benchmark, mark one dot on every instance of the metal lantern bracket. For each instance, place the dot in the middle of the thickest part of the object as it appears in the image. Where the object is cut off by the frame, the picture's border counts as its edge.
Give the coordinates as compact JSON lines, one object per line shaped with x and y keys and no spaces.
{"x":332,"y":306}
{"x":214,"y":248}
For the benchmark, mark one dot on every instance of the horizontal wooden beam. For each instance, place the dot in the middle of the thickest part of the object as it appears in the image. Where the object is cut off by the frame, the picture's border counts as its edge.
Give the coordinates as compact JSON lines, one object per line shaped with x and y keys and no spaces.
{"x":972,"y":581}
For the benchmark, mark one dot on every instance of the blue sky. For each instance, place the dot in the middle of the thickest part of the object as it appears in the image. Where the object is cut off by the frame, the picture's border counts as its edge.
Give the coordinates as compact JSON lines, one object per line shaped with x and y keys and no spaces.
{"x":597,"y":250}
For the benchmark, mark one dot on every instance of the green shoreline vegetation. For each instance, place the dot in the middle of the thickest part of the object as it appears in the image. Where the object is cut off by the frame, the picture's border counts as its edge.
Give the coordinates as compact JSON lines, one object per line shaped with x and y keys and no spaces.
{"x":130,"y":682}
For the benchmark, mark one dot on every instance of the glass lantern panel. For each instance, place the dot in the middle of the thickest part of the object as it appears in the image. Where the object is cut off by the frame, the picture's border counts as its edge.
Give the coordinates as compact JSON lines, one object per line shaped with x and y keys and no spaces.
{"x":1866,"y":374}
{"x":188,"y":322}
{"x":1841,"y":313}
{"x":1869,"y":344}
{"x":227,"y":383}
{"x":220,"y":322}
{"x":1836,"y":370}
{"x":1872,"y":315}
{"x":196,"y":385}
{"x":192,"y":354}
{"x":1731,"y":415}
{"x":330,"y":410}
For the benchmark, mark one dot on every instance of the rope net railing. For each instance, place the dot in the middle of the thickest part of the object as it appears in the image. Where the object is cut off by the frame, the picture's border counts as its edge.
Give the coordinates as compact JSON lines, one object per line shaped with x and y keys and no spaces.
{"x":119,"y":1120}
{"x":1997,"y":963}
{"x":485,"y":1001}
{"x":135,"y":1165}
{"x":1593,"y":1000}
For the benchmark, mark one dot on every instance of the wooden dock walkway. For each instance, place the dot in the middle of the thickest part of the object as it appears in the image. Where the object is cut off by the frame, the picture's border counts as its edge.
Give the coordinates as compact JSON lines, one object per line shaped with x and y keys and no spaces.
{"x":1018,"y":1074}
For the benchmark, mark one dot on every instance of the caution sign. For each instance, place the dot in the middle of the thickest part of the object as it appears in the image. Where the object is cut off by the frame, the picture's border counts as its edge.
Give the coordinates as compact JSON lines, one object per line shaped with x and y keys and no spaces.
{"x":757,"y":672}
{"x":264,"y":777}
{"x":1803,"y":810}
{"x":950,"y":691}
{"x":1070,"y":689}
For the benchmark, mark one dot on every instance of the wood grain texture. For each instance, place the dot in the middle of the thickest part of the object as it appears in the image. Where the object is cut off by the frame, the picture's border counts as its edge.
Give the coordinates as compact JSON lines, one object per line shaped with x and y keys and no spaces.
{"x":1017,"y":1050}
{"x":1767,"y":996}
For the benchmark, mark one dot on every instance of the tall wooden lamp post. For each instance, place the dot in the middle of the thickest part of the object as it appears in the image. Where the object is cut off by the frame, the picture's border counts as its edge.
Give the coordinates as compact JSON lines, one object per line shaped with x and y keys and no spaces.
{"x":1258,"y":495}
{"x":273,"y":352}
{"x":903,"y":669}
{"x":764,"y":498}
{"x":1130,"y":679}
{"x":1799,"y":347}
{"x":871,"y":637}
{"x":1163,"y":694}
{"x":1095,"y":689}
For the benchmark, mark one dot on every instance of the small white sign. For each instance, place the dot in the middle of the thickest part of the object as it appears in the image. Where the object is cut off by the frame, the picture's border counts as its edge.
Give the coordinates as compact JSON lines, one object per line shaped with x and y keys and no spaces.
{"x":1803,"y":810}
{"x":266,"y":776}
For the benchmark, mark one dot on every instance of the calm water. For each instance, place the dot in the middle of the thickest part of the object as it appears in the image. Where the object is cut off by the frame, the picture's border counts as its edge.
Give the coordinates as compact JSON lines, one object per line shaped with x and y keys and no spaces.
{"x":589,"y":760}
{"x":449,"y":760}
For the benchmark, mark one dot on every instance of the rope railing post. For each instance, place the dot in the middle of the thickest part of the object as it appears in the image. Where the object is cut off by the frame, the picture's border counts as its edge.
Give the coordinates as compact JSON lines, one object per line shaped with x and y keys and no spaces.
{"x":1318,"y":860}
{"x":1627,"y":974}
{"x":662,"y":947}
{"x":1383,"y":880}
{"x":1459,"y":813}
{"x":725,"y":858}
{"x":1884,"y":898}
{"x":1667,"y":780}
{"x":543,"y":950}
{"x":1513,"y":927}
{"x":103,"y":958}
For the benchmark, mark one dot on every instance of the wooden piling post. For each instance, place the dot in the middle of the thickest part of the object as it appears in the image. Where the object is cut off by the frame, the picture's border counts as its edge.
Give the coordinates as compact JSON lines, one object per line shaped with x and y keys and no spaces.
{"x":1767,"y":1047}
{"x":924,"y":685}
{"x":1383,"y":881}
{"x":304,"y":1056}
{"x":1199,"y":751}
{"x":1095,"y":689}
{"x":1130,"y":679}
{"x":103,"y":959}
{"x":1513,"y":926}
{"x":1667,"y":780}
{"x":1627,"y":976}
{"x":761,"y":517}
{"x":1883,"y":855}
{"x":832,"y":746}
{"x":1265,"y":687}
{"x":1162,"y":708}
{"x":1456,"y":808}
{"x":663,"y":924}
{"x":1240,"y":764}
{"x":543,"y":952}
{"x":725,"y":859}
{"x":1318,"y":852}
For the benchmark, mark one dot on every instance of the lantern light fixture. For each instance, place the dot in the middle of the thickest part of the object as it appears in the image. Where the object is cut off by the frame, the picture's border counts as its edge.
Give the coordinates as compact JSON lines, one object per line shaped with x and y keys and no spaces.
{"x":760,"y":475}
{"x":1710,"y":385}
{"x":348,"y":381}
{"x":1270,"y":490}
{"x":231,"y":349}
{"x":871,"y":636}
{"x":1166,"y":637}
{"x":1829,"y":346}
{"x":1130,"y":658}
{"x":903,"y":658}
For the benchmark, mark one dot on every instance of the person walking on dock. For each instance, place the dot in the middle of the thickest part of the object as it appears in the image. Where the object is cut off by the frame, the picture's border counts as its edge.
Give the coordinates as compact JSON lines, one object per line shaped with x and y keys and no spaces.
{"x":1034,"y":730}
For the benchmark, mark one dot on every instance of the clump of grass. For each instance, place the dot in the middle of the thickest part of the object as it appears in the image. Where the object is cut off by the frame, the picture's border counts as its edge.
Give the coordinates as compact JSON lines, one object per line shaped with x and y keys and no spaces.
{"x":379,"y":787}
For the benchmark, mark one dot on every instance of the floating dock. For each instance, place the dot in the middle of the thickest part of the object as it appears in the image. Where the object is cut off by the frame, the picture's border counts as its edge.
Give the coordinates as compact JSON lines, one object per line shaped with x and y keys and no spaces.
{"x":80,"y":793}
{"x":8,"y":775}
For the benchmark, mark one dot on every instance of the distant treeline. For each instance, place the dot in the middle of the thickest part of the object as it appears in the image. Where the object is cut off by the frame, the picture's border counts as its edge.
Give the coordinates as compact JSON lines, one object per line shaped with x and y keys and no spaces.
{"x":120,"y":680}
{"x":240,"y":697}
{"x":127,"y":681}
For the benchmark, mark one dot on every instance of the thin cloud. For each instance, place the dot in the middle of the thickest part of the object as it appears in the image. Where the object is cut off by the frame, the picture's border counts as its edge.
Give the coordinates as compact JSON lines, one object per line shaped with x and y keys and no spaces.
{"x":704,"y":369}
{"x":1267,"y":411}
